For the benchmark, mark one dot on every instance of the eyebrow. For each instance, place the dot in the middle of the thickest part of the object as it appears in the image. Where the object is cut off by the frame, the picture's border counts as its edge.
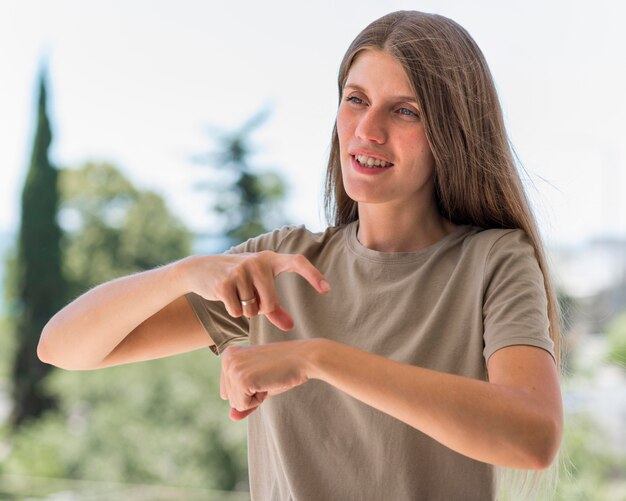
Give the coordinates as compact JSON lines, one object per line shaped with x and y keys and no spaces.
{"x":397,"y":98}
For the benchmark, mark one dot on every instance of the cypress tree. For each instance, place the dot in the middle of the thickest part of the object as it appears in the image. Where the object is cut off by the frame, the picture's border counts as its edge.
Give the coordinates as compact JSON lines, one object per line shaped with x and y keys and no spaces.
{"x":41,"y":287}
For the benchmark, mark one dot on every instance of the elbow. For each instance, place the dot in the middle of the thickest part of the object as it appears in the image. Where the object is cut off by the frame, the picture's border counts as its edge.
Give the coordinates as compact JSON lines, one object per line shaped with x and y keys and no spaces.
{"x":545,"y":446}
{"x":44,"y":351}
{"x":52,"y":350}
{"x":542,"y":461}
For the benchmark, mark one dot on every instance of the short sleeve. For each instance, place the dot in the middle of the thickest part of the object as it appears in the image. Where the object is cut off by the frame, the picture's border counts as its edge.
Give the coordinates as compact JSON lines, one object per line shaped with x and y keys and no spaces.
{"x":515,"y":310}
{"x":223,"y":329}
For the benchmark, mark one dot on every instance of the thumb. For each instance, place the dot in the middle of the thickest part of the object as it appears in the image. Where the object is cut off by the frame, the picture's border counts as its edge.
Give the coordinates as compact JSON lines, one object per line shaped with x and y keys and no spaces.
{"x":236,"y":415}
{"x":281,"y":319}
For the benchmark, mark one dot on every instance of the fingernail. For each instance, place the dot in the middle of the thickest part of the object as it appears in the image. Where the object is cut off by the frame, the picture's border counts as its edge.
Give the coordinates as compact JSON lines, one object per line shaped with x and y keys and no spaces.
{"x":324,"y":285}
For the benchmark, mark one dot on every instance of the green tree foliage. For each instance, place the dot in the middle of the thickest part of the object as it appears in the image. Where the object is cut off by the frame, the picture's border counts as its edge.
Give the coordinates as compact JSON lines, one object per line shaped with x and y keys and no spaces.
{"x":159,"y":422}
{"x":589,"y":471}
{"x":246,"y":201}
{"x":114,"y":229}
{"x":155,"y":422}
{"x":40,"y":287}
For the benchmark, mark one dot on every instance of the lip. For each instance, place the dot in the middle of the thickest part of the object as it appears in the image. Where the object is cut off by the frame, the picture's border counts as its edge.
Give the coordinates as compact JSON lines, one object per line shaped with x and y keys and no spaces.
{"x":364,"y":170}
{"x":367,"y":153}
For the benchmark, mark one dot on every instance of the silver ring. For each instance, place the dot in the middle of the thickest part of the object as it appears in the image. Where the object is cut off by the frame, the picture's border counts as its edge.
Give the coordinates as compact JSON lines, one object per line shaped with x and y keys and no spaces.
{"x":246,"y":302}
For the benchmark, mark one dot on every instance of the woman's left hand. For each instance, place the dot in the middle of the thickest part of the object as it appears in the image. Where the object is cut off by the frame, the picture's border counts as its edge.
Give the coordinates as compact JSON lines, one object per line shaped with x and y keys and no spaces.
{"x":250,"y":374}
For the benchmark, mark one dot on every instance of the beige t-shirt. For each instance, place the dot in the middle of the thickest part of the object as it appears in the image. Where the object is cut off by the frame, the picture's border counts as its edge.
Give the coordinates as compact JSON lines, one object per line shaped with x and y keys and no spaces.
{"x":447,"y":307}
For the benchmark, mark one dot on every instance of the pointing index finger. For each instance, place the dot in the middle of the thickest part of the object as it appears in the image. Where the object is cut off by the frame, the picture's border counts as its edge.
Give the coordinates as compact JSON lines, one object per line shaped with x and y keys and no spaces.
{"x":299,"y":264}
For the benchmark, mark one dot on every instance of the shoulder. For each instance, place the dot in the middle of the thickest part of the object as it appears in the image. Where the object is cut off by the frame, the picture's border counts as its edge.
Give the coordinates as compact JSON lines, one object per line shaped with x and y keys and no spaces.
{"x":508,"y":256}
{"x":492,"y":239}
{"x":495,"y":243}
{"x":506,"y":245}
{"x":489,"y":252}
{"x":291,"y":239}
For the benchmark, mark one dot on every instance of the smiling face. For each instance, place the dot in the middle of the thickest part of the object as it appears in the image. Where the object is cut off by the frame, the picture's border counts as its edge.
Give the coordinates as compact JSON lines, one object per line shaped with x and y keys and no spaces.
{"x":385,"y":156}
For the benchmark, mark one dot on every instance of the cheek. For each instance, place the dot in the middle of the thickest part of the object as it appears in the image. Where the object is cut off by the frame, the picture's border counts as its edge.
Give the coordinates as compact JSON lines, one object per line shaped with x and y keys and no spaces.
{"x":422,"y":149}
{"x":428,"y":162}
{"x":343,"y":127}
{"x":428,"y":156}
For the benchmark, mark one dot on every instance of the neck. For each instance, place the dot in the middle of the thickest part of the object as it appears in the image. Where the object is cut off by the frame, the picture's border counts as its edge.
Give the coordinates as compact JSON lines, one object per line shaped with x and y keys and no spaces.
{"x":386,"y":229}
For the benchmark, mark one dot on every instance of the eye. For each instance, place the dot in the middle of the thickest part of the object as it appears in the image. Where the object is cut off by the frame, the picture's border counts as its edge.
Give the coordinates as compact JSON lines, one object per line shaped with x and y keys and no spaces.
{"x":408,"y":113}
{"x":355,"y":100}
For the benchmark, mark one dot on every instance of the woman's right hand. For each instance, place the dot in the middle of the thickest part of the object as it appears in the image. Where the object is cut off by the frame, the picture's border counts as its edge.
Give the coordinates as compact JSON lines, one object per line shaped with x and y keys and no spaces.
{"x":237,"y":278}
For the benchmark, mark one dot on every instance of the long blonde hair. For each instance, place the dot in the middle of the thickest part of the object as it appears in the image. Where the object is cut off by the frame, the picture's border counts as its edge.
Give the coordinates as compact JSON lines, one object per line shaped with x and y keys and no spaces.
{"x":476,"y":180}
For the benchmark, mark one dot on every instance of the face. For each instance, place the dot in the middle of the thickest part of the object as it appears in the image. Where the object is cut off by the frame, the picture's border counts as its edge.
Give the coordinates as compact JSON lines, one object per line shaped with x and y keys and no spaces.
{"x":385,"y":156}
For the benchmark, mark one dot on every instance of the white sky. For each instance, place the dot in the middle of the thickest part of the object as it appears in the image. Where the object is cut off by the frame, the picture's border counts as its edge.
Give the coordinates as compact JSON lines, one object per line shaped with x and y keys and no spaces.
{"x":138,"y":83}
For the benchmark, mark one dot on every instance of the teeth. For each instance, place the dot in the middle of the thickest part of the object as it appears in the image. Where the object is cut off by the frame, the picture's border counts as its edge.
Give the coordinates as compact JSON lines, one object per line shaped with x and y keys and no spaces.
{"x":370,"y":162}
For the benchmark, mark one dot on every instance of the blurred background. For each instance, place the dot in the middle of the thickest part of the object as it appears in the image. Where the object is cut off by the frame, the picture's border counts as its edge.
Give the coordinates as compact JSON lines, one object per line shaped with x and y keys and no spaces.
{"x":135,"y":133}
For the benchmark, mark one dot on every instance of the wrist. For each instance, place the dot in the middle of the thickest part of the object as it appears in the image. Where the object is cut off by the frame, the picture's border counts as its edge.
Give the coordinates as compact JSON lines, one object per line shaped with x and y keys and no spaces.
{"x":316,"y":353}
{"x":179,"y":273}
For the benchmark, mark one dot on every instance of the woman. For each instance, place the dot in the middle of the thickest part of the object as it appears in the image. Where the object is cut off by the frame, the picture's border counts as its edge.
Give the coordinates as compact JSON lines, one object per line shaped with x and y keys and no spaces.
{"x":421,"y":348}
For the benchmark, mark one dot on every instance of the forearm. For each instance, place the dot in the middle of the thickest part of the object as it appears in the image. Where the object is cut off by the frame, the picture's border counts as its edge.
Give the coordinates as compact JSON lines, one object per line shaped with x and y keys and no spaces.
{"x":138,"y":317}
{"x":491,"y":423}
{"x":89,"y":328}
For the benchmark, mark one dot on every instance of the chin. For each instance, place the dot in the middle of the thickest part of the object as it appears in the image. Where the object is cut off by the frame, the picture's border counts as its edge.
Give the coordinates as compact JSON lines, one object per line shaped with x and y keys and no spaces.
{"x":365,"y":192}
{"x":366,"y":199}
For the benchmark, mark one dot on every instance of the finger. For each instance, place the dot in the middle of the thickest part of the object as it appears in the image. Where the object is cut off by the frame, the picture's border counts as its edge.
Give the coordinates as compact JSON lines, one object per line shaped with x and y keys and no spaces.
{"x":299,"y":264}
{"x":234,"y":404}
{"x":236,"y":415}
{"x":249,"y":304}
{"x":245,"y":294}
{"x":266,"y":289}
{"x":228,"y":394}
{"x":237,"y":398}
{"x":223,"y":392}
{"x":244,"y":402}
{"x":281,"y":319}
{"x":228,"y":295}
{"x":256,"y":400}
{"x":261,"y":396}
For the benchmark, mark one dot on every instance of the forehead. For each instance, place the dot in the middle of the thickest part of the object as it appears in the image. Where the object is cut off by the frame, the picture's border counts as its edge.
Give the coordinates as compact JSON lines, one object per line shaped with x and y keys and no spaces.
{"x":377,"y":71}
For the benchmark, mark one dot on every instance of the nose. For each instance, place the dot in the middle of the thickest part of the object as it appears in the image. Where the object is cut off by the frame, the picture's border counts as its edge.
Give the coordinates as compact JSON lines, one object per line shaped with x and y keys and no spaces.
{"x":371,"y":127}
